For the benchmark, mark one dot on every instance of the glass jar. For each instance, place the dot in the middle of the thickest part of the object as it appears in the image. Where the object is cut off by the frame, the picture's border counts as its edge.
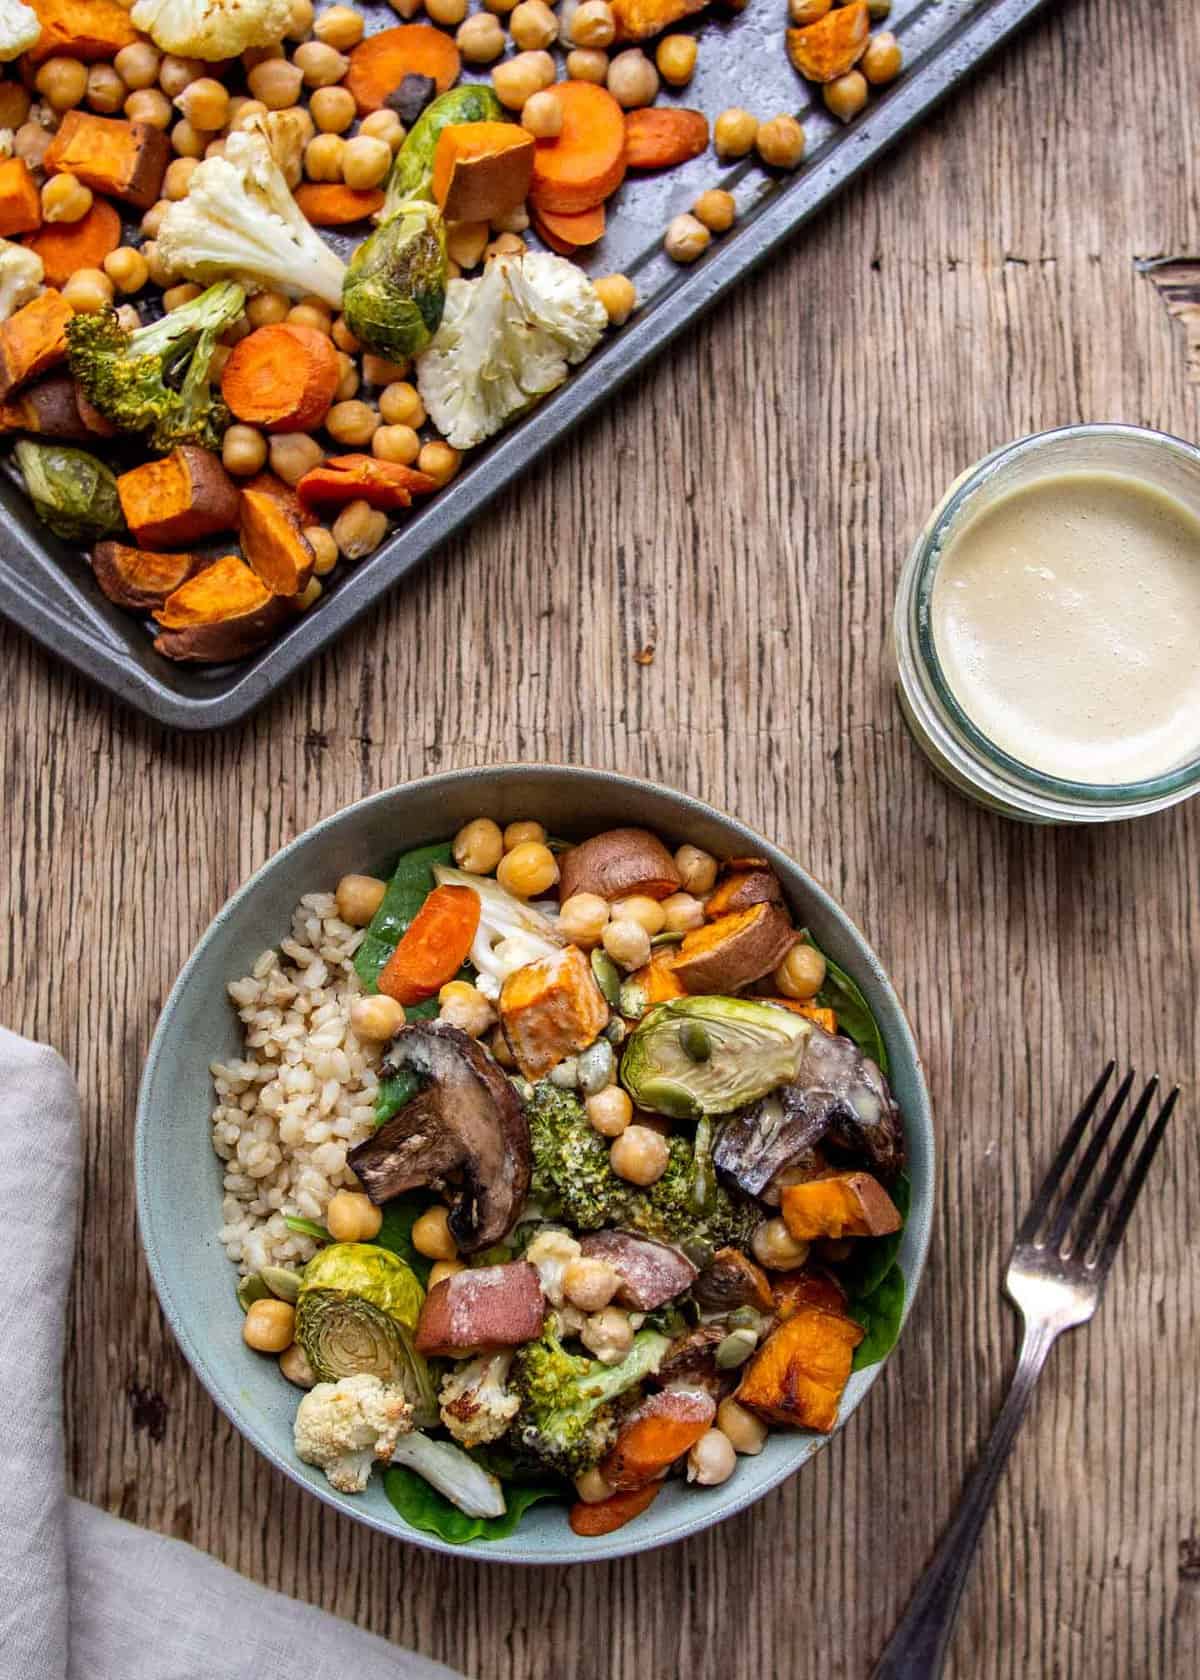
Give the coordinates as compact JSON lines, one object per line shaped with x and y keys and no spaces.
{"x":955,"y":745}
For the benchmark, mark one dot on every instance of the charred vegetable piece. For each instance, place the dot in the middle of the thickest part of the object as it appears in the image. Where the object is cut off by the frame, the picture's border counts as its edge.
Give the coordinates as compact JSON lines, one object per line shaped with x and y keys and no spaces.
{"x":725,"y":955}
{"x":357,"y":1310}
{"x":691,"y":1361}
{"x":71,"y":491}
{"x":660,"y":1430}
{"x":410,"y":98}
{"x":732,"y":1280}
{"x":387,"y":485}
{"x":33,"y":339}
{"x":619,"y":863}
{"x":479,"y":1310}
{"x":849,"y":1204}
{"x":469,"y":1122}
{"x":806,"y":1288}
{"x":551,"y":1009}
{"x":395,"y":289}
{"x":481,"y":171}
{"x":137,"y":577}
{"x":753,"y":1047}
{"x":650,"y":1272}
{"x":799,"y":1374}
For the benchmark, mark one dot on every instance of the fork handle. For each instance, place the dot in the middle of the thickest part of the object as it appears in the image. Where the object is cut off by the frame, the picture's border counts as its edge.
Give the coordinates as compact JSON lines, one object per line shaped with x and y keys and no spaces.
{"x":917,"y":1649}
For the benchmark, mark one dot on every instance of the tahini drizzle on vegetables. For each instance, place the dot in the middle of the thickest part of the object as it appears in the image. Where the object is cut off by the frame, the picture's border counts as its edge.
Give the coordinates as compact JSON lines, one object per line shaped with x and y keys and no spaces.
{"x":232,"y":132}
{"x":633,"y":1197}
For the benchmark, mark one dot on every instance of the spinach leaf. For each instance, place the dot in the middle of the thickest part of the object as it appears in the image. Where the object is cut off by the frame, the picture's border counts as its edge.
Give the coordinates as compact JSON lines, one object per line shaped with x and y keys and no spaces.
{"x":410,"y":885}
{"x":399,"y":1217}
{"x":424,"y":1507}
{"x":854,"y":1016}
{"x":879,"y":1313}
{"x":394,"y":1092}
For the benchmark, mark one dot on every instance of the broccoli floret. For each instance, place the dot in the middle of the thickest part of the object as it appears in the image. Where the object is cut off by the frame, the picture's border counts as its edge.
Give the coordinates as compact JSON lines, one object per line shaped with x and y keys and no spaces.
{"x":156,"y":379}
{"x":573,"y":1180}
{"x":567,"y":1416}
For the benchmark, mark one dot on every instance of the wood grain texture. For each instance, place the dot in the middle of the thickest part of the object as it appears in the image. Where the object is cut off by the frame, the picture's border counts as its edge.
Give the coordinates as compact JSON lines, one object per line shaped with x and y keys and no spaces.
{"x":746,"y":508}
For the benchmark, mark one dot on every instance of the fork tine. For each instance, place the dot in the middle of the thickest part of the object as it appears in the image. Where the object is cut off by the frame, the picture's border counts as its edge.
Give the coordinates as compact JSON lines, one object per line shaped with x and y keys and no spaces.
{"x":1070,"y":1202}
{"x":1122,"y":1149}
{"x":1137,"y":1178}
{"x":1037,"y":1212}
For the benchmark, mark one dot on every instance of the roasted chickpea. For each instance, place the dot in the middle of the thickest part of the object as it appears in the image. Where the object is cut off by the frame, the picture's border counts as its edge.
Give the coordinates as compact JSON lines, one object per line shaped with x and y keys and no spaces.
{"x":88,"y":290}
{"x":608,"y":1335}
{"x":478,"y":846}
{"x":804,"y":12}
{"x":682,"y":913}
{"x":780,"y":142}
{"x":340,"y":27}
{"x":176,"y":296}
{"x":591,"y":1487}
{"x":712,"y":1459}
{"x":449,"y":13}
{"x":639,"y":1155}
{"x":178,"y":178}
{"x":65,"y":199}
{"x":846,"y":97}
{"x":312,"y":315}
{"x":609,"y":1111}
{"x":376,"y":1019}
{"x":31,"y":142}
{"x":583,"y":918}
{"x":746,"y":1433}
{"x":266,"y":309}
{"x":801,"y":974}
{"x":319,"y":64}
{"x":640,"y":908}
{"x":431,"y":1235}
{"x":589,"y":1284}
{"x":276,"y":82}
{"x":160,"y":273}
{"x":325,"y":554}
{"x":292,"y":454}
{"x":174,"y":73}
{"x":593,"y":24}
{"x":293,"y":1363}
{"x":532,"y":25}
{"x":440,"y":461}
{"x":697,"y":870}
{"x":126,"y":268}
{"x":686,"y":239}
{"x":717,"y":209}
{"x":309,"y":595}
{"x":243,"y":451}
{"x":632,"y":79}
{"x":883,"y":59}
{"x":518,"y":79}
{"x":365,"y":162}
{"x":150,"y":105}
{"x":384,"y":125}
{"x":243,"y":112}
{"x":775,"y":1247}
{"x":466,"y":1008}
{"x":521,"y":833}
{"x":587,"y":64}
{"x":734,"y":133}
{"x":396,"y":443}
{"x":192,"y":142}
{"x":358,"y":530}
{"x":269,"y":1326}
{"x":444,"y":1268}
{"x":332,"y":110}
{"x":323,"y":157}
{"x":62,"y":82}
{"x":351,"y":1216}
{"x":627,"y":943}
{"x":542,"y":116}
{"x":400,"y":405}
{"x":300,"y":22}
{"x":358,"y":897}
{"x":528,"y":870}
{"x":617,"y":294}
{"x":105,"y":93}
{"x":354,"y":423}
{"x":205,"y":104}
{"x":676,"y":59}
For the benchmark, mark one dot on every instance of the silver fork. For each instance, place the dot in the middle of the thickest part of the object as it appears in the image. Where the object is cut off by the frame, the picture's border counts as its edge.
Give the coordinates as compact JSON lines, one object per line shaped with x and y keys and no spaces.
{"x":1056,"y":1276}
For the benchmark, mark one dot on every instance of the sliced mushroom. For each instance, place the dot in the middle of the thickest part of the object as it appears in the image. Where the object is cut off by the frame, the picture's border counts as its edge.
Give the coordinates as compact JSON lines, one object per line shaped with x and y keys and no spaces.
{"x":691,"y":1360}
{"x":464,"y":1135}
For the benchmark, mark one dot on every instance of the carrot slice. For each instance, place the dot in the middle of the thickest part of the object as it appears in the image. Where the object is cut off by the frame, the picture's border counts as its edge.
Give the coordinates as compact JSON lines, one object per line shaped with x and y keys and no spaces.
{"x":281,"y":377}
{"x":565,"y":234}
{"x":380,"y":63}
{"x":434,"y":947}
{"x":585,"y":163}
{"x":65,"y":247}
{"x":613,"y":1513}
{"x":661,"y":137}
{"x":351,"y":478}
{"x":662,"y":1429}
{"x":330,"y":204}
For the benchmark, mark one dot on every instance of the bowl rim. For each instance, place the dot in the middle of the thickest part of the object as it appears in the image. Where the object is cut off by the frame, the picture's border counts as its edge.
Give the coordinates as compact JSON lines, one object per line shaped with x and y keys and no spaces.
{"x":625,"y":1542}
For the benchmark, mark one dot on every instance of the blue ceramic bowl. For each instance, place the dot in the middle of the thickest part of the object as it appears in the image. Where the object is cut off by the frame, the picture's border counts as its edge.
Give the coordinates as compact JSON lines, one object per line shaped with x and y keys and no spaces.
{"x":179,"y":1177}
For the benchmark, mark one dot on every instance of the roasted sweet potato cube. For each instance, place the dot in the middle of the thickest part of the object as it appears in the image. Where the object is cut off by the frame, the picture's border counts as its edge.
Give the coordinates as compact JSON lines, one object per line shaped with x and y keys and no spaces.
{"x":224,"y":612}
{"x":180,"y":499}
{"x":125,"y":160}
{"x":806,"y":1288}
{"x":657,"y":1432}
{"x":827,"y":49}
{"x":49,"y":408}
{"x":798,"y":1375}
{"x":727,"y":954}
{"x":551,"y":1009}
{"x":273,"y":545}
{"x":90,"y":30}
{"x":483,"y":1308}
{"x":20,"y":202}
{"x":137,"y":577}
{"x":848,"y":1204}
{"x":639,"y":20}
{"x":32,"y":340}
{"x":741,"y":888}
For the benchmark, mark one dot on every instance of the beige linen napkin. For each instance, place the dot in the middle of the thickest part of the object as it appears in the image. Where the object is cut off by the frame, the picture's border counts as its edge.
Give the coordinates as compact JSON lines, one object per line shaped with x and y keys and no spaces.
{"x":83,"y":1595}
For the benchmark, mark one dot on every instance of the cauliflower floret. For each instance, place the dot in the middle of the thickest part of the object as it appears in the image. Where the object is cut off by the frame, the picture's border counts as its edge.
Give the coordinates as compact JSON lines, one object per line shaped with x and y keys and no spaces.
{"x":20,"y":276}
{"x":505,"y":340}
{"x":212,"y":29}
{"x":19,"y":29}
{"x":343,"y":1427}
{"x":549,"y":1253}
{"x":475,"y":1403}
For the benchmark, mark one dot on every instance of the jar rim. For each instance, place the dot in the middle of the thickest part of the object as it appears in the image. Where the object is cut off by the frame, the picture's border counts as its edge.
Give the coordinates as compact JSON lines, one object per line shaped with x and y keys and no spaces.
{"x":927,"y":558}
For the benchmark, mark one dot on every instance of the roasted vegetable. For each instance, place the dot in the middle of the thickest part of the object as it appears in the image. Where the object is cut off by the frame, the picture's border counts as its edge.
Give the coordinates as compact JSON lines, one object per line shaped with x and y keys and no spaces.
{"x":481,"y":171}
{"x":49,"y":408}
{"x":482,"y":1309}
{"x":585,"y":162}
{"x":222,"y":612}
{"x":824,"y":50}
{"x":212,"y":29}
{"x":749,"y":1048}
{"x":851,"y":1204}
{"x":156,"y":380}
{"x":281,"y":377}
{"x":361,"y":478}
{"x":453,"y":1472}
{"x":72,"y":492}
{"x":433,"y":947}
{"x":412,"y":172}
{"x":654,"y":984}
{"x":807,"y":1288}
{"x":33,"y":339}
{"x":411,"y":97}
{"x":732,"y":1280}
{"x":640,"y":20}
{"x":733,"y":951}
{"x":21,"y":276}
{"x":566,"y":1416}
{"x":798,"y":1375}
{"x":551,"y":1009}
{"x":659,"y":1430}
{"x":651,"y":1272}
{"x":380,"y":63}
{"x":273,"y":543}
{"x":65,"y":247}
{"x":137,"y":577}
{"x":125,"y":160}
{"x":738,"y":889}
{"x":511,"y":933}
{"x":20,"y":202}
{"x":620,"y":863}
{"x":185,"y":496}
{"x":333,"y":204}
{"x":476,"y":1402}
{"x":357,"y":1312}
{"x":395,"y":289}
{"x":605,"y":1516}
{"x":660,"y":137}
{"x":20,"y":27}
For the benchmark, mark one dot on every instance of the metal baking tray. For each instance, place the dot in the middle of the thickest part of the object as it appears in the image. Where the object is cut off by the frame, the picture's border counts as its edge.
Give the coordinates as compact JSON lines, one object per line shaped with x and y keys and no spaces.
{"x":47,"y":587}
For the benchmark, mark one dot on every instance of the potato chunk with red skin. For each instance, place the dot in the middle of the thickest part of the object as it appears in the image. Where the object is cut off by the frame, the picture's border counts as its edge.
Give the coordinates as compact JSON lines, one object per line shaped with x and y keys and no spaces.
{"x":850,"y":1204}
{"x":551,"y":1009}
{"x":620,"y":863}
{"x":480,"y":1310}
{"x":797,"y":1377}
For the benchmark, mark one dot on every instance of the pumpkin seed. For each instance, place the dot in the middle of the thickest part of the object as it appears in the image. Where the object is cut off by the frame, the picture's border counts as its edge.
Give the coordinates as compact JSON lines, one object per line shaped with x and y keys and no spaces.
{"x":607,"y":977}
{"x":251,"y":1289}
{"x":633,"y":999}
{"x":596,"y":1067}
{"x":694,"y":1041}
{"x":282,"y":1282}
{"x":661,"y":939}
{"x":746,"y":1318}
{"x":735,"y":1349}
{"x":616,"y":1032}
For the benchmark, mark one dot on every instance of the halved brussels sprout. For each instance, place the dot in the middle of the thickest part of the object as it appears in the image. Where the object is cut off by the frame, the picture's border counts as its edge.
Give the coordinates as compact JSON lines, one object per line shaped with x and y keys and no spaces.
{"x":395,"y":287}
{"x":751,"y":1048}
{"x":357,"y":1311}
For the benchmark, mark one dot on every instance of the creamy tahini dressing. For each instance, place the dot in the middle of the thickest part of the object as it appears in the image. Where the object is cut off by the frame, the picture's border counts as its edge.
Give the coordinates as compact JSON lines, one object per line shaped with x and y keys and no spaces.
{"x":1066,"y":616}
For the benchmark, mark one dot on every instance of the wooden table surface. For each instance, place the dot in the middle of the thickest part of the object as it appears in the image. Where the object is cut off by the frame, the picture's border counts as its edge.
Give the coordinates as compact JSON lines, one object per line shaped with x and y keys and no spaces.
{"x":746,"y":508}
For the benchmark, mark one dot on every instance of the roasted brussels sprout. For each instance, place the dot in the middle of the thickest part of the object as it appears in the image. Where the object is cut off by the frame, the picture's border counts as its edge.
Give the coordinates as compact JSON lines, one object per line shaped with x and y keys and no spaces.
{"x":357,"y":1311}
{"x":395,"y":289}
{"x":750,"y":1048}
{"x":71,"y":491}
